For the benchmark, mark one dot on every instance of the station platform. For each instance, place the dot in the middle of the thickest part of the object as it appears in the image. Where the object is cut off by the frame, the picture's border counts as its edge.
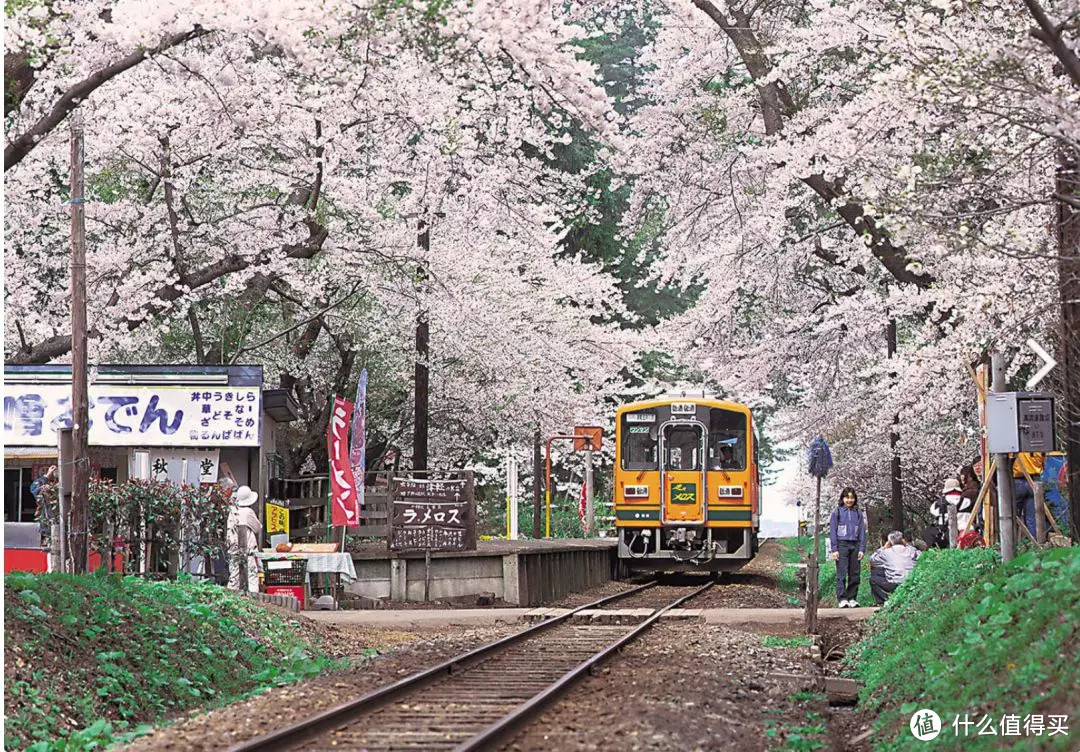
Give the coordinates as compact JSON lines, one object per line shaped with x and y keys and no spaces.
{"x":519,"y":572}
{"x":779,"y":620}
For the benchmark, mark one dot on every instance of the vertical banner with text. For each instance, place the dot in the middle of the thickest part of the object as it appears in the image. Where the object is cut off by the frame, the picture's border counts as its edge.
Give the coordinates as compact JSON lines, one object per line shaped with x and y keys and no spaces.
{"x":343,"y":503}
{"x":358,"y":444}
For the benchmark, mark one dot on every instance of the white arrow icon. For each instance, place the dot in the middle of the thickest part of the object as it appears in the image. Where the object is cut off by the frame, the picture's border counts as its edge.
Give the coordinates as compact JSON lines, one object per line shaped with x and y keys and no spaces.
{"x":1048,"y":364}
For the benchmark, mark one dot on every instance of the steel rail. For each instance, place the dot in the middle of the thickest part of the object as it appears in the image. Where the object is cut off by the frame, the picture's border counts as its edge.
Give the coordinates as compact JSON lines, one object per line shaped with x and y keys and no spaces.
{"x":290,"y":736}
{"x":501,"y":730}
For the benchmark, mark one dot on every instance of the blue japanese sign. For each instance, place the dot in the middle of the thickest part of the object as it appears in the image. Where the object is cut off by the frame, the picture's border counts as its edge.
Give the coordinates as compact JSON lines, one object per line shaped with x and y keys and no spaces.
{"x":136,"y":415}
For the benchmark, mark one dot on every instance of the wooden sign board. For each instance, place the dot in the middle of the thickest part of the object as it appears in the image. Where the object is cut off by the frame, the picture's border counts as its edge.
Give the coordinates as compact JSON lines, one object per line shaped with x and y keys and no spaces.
{"x":457,"y":489}
{"x":434,"y":515}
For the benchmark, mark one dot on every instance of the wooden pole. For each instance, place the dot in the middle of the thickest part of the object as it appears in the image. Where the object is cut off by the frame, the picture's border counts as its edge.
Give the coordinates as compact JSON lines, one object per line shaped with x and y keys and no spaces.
{"x":427,"y":574}
{"x":953,"y":531}
{"x":812,"y":594}
{"x":80,"y":419}
{"x":985,"y":461}
{"x":1040,"y":507}
{"x":1040,"y":513}
{"x":984,"y":494}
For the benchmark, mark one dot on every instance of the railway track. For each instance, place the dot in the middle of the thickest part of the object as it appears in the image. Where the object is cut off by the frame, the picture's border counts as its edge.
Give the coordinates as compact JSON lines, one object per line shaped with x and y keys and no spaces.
{"x":478,"y":699}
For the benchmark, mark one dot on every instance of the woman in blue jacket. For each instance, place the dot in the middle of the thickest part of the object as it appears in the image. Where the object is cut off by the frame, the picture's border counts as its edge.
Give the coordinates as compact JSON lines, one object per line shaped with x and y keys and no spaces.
{"x":847,"y":534}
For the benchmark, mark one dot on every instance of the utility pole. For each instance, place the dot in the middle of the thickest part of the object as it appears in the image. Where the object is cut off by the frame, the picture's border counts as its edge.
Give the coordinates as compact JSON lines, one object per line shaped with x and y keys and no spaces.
{"x":894,"y":439}
{"x":420,"y":372}
{"x":80,"y":418}
{"x":538,"y":473}
{"x":1006,"y":528}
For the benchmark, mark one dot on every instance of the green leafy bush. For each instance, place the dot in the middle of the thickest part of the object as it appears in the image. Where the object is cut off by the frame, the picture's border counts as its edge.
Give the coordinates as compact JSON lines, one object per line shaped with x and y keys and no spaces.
{"x":92,"y":656}
{"x":965,"y":634}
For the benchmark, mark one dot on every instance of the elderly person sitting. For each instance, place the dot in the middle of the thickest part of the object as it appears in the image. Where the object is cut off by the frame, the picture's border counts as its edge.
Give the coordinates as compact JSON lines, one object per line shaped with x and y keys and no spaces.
{"x":889,"y":565}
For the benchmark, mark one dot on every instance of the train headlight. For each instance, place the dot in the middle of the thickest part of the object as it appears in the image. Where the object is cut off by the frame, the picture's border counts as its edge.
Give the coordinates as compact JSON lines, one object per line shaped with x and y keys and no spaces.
{"x":635,"y":492}
{"x":729,"y":492}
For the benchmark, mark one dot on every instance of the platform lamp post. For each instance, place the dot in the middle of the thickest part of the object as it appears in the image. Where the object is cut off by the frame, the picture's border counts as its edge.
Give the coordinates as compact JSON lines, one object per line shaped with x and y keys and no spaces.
{"x":819,"y":461}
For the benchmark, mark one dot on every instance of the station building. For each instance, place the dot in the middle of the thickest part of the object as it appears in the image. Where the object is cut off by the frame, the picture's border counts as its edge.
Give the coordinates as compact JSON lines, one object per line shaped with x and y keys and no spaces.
{"x":167,"y":422}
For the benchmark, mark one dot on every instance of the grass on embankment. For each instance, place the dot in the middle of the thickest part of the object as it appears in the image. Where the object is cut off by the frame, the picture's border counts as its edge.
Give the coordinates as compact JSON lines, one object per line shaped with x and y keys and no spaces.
{"x":91,"y":658}
{"x":966,"y":634}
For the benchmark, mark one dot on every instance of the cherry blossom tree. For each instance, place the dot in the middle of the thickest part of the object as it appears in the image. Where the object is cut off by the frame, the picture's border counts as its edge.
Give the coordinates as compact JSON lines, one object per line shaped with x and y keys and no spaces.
{"x":257,"y":191}
{"x":827,"y":168}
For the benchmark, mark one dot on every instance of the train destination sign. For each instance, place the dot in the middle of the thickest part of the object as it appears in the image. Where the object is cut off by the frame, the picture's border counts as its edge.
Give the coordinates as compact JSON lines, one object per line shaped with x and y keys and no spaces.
{"x":433,"y":515}
{"x":684,"y":493}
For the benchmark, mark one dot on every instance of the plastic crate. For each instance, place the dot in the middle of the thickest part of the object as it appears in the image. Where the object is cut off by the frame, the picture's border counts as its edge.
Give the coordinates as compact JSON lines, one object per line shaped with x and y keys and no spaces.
{"x":276,"y":574}
{"x":299,"y":592}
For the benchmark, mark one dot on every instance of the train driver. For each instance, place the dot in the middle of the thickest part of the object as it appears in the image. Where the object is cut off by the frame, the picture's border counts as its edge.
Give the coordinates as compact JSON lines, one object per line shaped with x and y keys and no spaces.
{"x":727,"y":457}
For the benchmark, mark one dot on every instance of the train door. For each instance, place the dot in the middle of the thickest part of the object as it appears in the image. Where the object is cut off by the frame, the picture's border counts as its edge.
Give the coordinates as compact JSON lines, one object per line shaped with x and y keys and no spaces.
{"x":682,"y":474}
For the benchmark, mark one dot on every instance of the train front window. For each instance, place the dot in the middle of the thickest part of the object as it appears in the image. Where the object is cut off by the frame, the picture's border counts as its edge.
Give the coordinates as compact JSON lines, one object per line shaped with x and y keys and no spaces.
{"x":727,"y":440}
{"x":639,"y":441}
{"x":682,"y":448}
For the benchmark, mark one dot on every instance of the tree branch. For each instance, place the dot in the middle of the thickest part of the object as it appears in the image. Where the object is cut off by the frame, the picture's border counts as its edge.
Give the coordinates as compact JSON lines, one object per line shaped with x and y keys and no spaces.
{"x":776,"y":105}
{"x":56,"y":346}
{"x":70,"y":99}
{"x":316,"y":317}
{"x":1049,"y":34}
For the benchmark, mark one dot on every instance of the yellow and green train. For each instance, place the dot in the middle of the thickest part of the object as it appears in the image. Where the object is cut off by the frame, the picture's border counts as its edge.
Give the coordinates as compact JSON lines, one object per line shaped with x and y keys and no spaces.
{"x":687,"y":485}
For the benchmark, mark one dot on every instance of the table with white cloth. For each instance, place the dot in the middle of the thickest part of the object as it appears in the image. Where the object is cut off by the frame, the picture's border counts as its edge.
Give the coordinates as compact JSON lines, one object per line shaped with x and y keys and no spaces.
{"x":330,"y":570}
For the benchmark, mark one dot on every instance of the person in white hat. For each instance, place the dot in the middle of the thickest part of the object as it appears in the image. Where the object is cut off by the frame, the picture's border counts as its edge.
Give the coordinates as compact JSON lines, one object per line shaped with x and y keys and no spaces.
{"x":951,"y":494}
{"x":243,"y":538}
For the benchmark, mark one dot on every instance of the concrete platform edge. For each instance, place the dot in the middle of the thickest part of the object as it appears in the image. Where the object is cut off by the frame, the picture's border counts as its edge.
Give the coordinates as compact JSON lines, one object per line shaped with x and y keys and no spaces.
{"x":404,"y":618}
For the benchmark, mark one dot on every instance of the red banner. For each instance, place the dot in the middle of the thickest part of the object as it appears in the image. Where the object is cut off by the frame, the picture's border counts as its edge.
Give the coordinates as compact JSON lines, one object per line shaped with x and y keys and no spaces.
{"x":344,"y":509}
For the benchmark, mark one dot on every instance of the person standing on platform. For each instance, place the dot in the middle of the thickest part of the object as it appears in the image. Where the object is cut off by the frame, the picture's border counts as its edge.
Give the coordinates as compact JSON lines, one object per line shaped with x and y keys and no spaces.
{"x":38,"y":489}
{"x":1023,"y":493}
{"x":847,"y":535}
{"x":969,"y":494}
{"x":243,"y":539}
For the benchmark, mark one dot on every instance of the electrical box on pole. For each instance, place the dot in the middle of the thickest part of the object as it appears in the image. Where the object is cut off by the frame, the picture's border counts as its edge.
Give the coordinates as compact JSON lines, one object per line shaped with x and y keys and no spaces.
{"x":1020,"y":422}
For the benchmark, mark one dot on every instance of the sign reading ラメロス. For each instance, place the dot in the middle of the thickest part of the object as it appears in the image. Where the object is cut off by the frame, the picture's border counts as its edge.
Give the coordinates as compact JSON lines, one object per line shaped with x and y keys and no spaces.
{"x":438,"y":515}
{"x":139,"y":415}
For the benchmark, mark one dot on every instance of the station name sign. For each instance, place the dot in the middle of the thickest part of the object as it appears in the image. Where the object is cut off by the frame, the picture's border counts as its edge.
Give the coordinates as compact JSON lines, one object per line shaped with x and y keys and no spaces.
{"x":136,"y":415}
{"x":433,"y":515}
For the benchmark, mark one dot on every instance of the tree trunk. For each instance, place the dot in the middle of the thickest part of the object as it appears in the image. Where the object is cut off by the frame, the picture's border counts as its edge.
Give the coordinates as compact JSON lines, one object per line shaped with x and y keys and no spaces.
{"x":894,"y":438}
{"x":420,"y":370}
{"x":1068,"y":226}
